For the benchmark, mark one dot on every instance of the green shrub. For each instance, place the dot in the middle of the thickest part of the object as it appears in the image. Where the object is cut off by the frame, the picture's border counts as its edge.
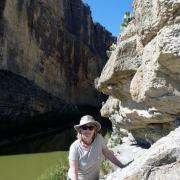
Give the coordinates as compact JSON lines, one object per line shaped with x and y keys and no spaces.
{"x":58,"y":172}
{"x":106,"y":167}
{"x":127,"y":18}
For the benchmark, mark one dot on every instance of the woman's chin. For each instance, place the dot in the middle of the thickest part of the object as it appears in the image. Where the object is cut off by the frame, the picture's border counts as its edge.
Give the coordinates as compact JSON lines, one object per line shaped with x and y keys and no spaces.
{"x":87,"y":136}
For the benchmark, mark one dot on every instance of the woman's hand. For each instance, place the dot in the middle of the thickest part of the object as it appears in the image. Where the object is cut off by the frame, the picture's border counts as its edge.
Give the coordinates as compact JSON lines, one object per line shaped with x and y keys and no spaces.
{"x":124,"y":165}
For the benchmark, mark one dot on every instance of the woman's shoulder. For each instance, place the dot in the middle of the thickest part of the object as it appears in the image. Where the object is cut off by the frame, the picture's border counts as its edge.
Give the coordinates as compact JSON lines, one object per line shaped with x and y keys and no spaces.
{"x":101,"y":140}
{"x":99,"y":137}
{"x":75,"y":144}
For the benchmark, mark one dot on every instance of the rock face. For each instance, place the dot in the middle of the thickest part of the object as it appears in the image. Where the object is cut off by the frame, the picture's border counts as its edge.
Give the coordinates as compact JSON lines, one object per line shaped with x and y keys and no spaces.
{"x":50,"y":54}
{"x":54,"y":44}
{"x":142,"y":79}
{"x":142,"y":76}
{"x":21,"y":99}
{"x":161,"y":161}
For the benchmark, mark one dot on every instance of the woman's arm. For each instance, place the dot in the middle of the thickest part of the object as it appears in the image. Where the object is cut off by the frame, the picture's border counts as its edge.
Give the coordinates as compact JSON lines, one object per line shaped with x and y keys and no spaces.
{"x":109,"y":155}
{"x":74,"y":169}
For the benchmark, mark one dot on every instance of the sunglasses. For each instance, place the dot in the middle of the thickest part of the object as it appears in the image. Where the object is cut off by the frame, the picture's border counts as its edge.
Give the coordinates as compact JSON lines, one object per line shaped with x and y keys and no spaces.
{"x":87,"y":127}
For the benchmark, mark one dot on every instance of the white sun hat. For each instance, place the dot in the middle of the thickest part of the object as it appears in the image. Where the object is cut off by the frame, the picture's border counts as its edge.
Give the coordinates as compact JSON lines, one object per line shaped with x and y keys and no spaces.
{"x":87,"y":119}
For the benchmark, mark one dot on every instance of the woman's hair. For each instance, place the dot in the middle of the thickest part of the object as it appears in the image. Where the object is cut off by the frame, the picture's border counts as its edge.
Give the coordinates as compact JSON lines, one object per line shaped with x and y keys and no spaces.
{"x":79,"y":135}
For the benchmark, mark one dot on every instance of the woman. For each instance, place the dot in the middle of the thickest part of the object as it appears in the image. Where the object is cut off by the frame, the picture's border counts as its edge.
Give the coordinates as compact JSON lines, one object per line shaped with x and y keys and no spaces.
{"x":86,"y":152}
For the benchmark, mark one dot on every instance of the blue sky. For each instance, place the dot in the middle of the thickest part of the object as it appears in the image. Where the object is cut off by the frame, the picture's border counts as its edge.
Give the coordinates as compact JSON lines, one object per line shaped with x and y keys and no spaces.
{"x":109,"y":13}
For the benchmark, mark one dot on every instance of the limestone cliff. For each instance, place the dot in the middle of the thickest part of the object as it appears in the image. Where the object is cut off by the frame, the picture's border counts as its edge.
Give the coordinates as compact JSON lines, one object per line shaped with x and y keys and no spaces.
{"x":53,"y":47}
{"x":142,"y":77}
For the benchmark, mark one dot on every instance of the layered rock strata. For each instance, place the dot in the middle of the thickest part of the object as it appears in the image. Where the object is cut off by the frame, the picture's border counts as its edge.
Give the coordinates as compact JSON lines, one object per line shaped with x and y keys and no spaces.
{"x":142,"y":76}
{"x":142,"y":79}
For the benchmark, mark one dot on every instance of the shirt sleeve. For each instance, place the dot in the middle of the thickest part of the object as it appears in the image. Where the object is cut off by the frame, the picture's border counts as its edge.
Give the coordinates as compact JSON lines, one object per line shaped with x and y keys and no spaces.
{"x":73,"y":152}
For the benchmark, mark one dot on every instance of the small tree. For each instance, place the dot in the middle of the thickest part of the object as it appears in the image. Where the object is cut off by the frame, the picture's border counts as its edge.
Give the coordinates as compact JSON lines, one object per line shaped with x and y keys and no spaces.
{"x":127,"y":18}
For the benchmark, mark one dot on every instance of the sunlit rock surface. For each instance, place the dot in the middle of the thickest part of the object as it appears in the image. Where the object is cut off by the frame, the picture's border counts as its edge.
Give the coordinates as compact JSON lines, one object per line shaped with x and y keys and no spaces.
{"x":142,"y":79}
{"x":161,"y":161}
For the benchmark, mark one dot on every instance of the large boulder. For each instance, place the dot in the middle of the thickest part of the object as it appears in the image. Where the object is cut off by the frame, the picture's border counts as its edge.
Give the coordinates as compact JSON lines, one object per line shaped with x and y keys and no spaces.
{"x":161,"y":161}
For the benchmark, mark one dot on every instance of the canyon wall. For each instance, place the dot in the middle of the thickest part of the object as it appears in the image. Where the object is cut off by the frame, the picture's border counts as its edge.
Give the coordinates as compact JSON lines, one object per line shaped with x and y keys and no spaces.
{"x":56,"y":45}
{"x":52,"y":46}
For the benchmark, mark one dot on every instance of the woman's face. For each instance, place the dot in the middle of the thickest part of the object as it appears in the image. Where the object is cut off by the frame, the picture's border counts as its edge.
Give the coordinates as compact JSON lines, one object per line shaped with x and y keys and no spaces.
{"x":87,"y":131}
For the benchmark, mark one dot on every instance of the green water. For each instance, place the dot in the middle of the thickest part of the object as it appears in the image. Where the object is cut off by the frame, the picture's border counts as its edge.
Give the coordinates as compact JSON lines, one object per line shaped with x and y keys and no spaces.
{"x":28,"y":166}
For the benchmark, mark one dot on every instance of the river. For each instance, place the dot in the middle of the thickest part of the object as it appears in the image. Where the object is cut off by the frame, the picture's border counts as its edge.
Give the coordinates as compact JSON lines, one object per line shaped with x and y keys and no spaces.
{"x":29,"y":166}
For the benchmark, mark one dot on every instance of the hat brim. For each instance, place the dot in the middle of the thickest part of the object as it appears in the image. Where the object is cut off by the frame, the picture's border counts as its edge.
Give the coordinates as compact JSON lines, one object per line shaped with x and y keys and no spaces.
{"x":96,"y":124}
